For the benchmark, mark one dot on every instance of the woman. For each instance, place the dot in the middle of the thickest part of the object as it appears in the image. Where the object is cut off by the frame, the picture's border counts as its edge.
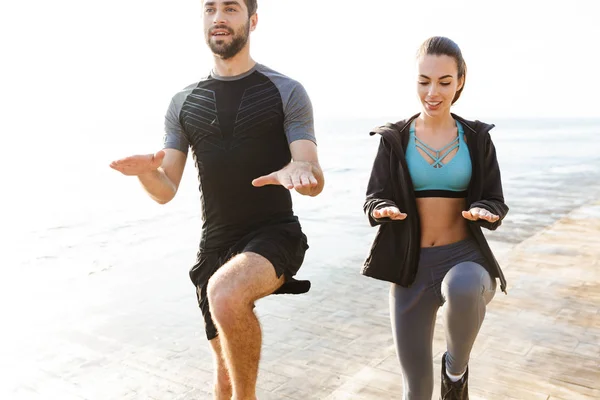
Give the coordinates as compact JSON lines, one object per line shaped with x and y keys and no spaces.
{"x":435,"y":183}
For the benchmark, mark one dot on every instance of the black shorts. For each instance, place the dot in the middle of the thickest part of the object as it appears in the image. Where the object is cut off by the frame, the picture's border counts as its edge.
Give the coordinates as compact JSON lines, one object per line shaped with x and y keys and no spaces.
{"x":283,"y":244}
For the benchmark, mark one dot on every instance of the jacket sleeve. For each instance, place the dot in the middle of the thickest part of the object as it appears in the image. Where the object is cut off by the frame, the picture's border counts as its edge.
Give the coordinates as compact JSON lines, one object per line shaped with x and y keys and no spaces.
{"x":379,"y":189}
{"x":493,"y":197}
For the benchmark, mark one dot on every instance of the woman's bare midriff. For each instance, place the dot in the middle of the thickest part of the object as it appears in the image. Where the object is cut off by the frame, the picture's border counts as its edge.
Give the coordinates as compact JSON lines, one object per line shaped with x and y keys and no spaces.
{"x":442,"y":221}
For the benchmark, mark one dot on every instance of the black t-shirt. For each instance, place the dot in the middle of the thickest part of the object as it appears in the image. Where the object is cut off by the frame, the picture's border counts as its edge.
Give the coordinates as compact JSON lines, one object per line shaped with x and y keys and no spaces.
{"x":239,"y":128}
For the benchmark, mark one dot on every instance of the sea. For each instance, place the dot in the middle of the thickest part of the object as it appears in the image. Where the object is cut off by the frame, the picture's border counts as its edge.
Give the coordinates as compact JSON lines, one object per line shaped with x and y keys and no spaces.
{"x":70,"y":214}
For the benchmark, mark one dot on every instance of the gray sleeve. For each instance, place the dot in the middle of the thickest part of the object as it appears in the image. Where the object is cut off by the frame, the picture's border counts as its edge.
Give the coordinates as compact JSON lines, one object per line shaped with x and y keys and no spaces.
{"x":297,"y":109}
{"x":298,"y":115}
{"x":175,"y":137}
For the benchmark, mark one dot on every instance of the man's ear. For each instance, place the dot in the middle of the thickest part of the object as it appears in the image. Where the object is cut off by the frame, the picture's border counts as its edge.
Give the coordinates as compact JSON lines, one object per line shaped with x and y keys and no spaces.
{"x":253,"y":22}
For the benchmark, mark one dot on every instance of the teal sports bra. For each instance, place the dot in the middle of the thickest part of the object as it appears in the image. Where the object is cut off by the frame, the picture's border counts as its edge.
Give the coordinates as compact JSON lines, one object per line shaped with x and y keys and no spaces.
{"x":430,"y":176}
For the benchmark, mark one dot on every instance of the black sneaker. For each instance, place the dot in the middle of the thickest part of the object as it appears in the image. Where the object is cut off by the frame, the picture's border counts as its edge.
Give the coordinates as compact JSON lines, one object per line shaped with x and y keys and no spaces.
{"x":454,"y":390}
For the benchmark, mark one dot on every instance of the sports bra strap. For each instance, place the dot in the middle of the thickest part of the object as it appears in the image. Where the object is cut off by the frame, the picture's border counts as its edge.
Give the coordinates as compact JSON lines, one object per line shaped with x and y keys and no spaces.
{"x":437,"y":159}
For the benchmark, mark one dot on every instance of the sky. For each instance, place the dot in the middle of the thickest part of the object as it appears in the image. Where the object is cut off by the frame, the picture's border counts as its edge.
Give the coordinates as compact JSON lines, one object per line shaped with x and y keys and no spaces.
{"x":116,"y":59}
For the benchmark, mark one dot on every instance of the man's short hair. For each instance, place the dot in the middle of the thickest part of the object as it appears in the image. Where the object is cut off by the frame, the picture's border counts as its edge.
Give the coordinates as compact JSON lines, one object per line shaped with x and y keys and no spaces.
{"x":252,"y":6}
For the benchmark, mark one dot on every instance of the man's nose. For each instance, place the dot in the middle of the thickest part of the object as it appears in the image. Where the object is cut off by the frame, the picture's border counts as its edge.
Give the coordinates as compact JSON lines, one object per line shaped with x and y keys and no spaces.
{"x":219,"y":18}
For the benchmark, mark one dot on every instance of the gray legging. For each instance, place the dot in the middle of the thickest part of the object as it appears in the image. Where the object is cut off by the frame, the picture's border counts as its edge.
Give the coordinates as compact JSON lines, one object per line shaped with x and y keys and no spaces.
{"x":453,"y":276}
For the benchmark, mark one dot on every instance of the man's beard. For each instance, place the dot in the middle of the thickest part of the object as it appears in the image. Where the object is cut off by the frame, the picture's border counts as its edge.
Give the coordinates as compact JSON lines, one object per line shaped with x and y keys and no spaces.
{"x":227,"y":51}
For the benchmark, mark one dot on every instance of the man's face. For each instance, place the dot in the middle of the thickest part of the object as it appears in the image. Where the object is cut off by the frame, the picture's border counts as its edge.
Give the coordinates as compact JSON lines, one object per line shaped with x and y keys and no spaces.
{"x":227,"y":26}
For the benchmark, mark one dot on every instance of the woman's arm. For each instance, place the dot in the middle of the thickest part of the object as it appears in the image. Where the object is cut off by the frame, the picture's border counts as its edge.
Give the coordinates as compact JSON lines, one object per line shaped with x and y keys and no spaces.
{"x":379,"y":189}
{"x":493,"y":197}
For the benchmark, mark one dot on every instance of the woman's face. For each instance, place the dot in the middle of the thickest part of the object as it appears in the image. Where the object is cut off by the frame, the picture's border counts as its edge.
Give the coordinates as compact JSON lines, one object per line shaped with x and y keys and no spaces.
{"x":437,"y":83}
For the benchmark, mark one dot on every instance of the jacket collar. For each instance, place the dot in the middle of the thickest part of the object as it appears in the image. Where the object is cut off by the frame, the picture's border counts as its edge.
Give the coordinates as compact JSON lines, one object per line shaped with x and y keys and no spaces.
{"x":401,"y":126}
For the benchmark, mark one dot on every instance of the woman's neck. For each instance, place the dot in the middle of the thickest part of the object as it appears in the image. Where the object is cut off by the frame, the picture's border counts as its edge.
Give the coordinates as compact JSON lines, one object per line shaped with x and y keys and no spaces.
{"x":435,"y":124}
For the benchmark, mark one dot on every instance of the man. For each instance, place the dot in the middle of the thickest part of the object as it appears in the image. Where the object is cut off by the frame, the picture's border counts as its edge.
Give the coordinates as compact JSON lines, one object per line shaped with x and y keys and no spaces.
{"x":244,"y":124}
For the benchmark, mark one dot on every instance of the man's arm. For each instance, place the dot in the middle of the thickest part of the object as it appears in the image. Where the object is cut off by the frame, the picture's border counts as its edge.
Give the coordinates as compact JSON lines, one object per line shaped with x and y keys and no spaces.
{"x":162,"y":183}
{"x":305,"y":151}
{"x":159,"y":174}
{"x":303,"y":174}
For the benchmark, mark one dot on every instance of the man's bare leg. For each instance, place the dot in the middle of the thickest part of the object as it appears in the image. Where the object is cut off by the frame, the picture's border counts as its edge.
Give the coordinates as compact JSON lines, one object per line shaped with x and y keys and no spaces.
{"x":232,"y":291}
{"x":222,"y":388}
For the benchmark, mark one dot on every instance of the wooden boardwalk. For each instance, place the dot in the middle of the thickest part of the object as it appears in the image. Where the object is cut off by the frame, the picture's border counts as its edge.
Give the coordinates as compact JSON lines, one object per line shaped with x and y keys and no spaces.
{"x":542,"y":341}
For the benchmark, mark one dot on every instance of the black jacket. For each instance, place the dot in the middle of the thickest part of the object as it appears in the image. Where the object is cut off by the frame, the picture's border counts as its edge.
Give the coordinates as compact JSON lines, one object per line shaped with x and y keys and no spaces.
{"x":394,"y":255}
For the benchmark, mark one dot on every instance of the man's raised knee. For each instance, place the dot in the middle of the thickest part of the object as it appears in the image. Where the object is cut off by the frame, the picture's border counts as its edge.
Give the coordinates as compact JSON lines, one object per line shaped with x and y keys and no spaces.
{"x":225,"y":302}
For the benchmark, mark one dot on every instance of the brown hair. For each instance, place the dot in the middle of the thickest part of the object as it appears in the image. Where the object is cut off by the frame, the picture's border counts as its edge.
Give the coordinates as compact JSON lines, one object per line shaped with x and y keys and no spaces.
{"x":252,"y":6}
{"x":442,"y":46}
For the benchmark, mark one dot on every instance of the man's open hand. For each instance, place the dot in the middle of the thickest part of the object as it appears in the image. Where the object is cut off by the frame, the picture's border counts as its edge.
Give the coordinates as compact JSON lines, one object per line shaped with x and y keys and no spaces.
{"x":296,"y":175}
